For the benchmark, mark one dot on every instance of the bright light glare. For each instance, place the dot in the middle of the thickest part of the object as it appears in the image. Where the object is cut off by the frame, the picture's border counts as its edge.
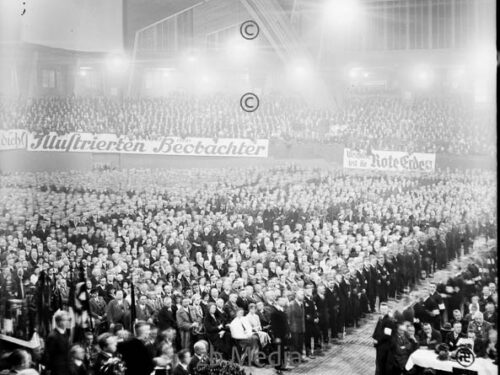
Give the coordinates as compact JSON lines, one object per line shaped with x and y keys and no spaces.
{"x":239,"y":49}
{"x":353,"y":73}
{"x":300,"y":73}
{"x":423,"y":77}
{"x":117,"y":63}
{"x":207,"y":78}
{"x":300,"y":70}
{"x":84,"y":70}
{"x":342,"y":12}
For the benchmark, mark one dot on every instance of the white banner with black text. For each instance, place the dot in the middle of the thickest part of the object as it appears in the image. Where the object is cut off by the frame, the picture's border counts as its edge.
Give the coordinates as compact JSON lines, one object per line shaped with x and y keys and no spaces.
{"x":110,"y":143}
{"x":13,"y":139}
{"x":389,"y":161}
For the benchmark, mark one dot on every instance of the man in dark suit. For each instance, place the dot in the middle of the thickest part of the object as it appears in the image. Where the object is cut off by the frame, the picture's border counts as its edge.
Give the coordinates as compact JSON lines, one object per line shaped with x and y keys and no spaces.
{"x":231,"y":307}
{"x":118,"y":310}
{"x":200,"y":356}
{"x":184,"y":359}
{"x":332,"y":301}
{"x":166,"y":316}
{"x":104,"y":289}
{"x":57,"y":346}
{"x":97,"y":307}
{"x":296,"y":319}
{"x":436,"y":296}
{"x":220,"y":313}
{"x":242,"y":300}
{"x":429,"y":336}
{"x":457,"y":317}
{"x":343,"y":293}
{"x":452,"y":338}
{"x":280,"y":330}
{"x":400,"y":351}
{"x":135,"y":353}
{"x":431,"y":312}
{"x":311,"y":322}
{"x":107,"y":345}
{"x":370,"y":274}
{"x":382,"y":336}
{"x":143,"y":311}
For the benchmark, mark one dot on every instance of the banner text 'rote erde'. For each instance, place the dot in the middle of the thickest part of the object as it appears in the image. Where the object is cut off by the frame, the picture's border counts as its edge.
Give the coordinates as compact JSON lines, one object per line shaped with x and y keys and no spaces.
{"x":389,"y":161}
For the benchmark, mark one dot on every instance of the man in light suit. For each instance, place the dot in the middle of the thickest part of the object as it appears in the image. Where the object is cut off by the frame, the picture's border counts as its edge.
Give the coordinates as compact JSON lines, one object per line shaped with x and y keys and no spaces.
{"x":185,"y":324}
{"x":196,"y":315}
{"x":241,"y":332}
{"x":296,"y":319}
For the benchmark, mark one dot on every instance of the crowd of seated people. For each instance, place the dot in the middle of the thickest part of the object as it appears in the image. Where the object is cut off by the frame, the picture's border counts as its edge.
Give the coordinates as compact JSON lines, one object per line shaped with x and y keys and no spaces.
{"x":432,"y":124}
{"x":247,"y":260}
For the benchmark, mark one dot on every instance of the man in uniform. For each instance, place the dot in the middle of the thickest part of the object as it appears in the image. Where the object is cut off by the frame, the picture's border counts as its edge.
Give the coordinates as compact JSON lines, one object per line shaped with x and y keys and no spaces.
{"x":370,"y":275}
{"x":312,"y":322}
{"x":383,"y":281}
{"x":280,"y":331}
{"x":332,"y":298}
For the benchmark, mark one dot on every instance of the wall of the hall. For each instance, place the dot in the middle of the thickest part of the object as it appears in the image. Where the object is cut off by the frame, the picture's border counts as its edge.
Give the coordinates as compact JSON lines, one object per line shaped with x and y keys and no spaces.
{"x":311,"y":153}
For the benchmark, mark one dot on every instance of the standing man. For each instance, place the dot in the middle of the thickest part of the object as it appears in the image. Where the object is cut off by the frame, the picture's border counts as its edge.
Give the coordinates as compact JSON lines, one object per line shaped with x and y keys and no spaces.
{"x":401,"y":348}
{"x":135,"y":353}
{"x":58,"y":346}
{"x":431,"y":309}
{"x":118,"y":310}
{"x":371,"y":276}
{"x":382,"y":338}
{"x":332,"y":298}
{"x":296,"y":318}
{"x":166,"y":315}
{"x":343,"y":289}
{"x":436,"y":296}
{"x":185,"y":324}
{"x":97,"y":308}
{"x":311,"y":322}
{"x":184,"y":357}
{"x":383,"y":280}
{"x":280,"y":331}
